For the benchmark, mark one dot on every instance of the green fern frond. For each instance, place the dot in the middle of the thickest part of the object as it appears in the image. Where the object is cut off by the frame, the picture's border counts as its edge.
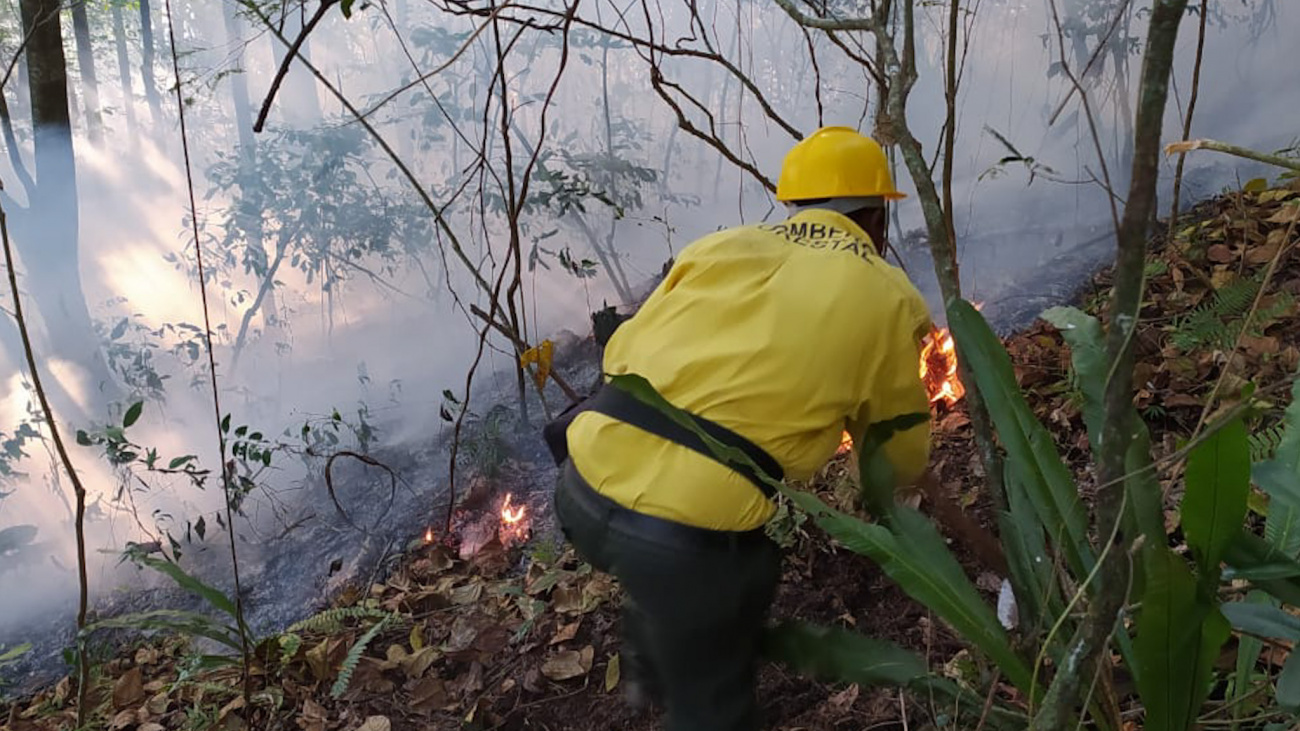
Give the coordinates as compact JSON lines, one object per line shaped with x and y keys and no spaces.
{"x":331,"y":621}
{"x":1264,"y":443}
{"x":289,"y":645}
{"x":1213,"y":323}
{"x":354,"y":656}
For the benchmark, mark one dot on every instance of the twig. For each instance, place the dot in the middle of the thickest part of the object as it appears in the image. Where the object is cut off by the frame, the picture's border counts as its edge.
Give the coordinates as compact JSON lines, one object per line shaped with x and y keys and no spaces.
{"x":289,"y":56}
{"x":83,"y":596}
{"x":1215,"y":146}
{"x":423,"y":78}
{"x":1094,"y":633}
{"x":226,"y":468}
{"x":366,"y":459}
{"x":521,"y":346}
{"x":6,"y":122}
{"x":1187,"y":122}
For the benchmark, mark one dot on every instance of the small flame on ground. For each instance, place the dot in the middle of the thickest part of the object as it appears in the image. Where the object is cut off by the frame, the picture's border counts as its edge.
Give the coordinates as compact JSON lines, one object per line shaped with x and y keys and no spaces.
{"x":512,"y":515}
{"x":939,"y":368}
{"x":428,"y":535}
{"x":846,"y":443}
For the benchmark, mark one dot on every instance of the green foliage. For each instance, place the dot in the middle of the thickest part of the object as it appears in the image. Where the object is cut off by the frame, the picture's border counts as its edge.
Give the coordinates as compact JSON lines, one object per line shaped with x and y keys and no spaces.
{"x":485,"y":442}
{"x":1214,"y":503}
{"x":1279,"y":476}
{"x":1217,"y":323}
{"x":331,"y":621}
{"x":1179,"y":633}
{"x":833,"y":653}
{"x":354,"y":655}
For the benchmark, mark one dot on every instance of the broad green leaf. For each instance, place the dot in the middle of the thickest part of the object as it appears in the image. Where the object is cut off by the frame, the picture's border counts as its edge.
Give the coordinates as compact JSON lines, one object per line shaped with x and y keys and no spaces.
{"x":133,"y":414}
{"x":1250,"y":553}
{"x":915,"y":556}
{"x":1280,"y":478}
{"x":1249,"y":649}
{"x":1028,"y":561}
{"x":1087,"y":344}
{"x":1179,"y":633}
{"x":833,"y":653}
{"x":212,"y":595}
{"x":875,"y":472}
{"x":1031,"y":456}
{"x":1263,"y":620}
{"x":1288,"y":683}
{"x":173,"y":620}
{"x":1083,"y":333}
{"x":1214,"y":504}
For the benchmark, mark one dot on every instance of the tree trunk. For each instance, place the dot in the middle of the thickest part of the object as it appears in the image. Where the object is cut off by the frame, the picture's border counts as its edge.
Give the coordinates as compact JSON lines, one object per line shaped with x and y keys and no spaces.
{"x":86,"y":62}
{"x":47,"y":240}
{"x":250,"y":188}
{"x":147,"y":62}
{"x":124,"y":71}
{"x":1089,"y":642}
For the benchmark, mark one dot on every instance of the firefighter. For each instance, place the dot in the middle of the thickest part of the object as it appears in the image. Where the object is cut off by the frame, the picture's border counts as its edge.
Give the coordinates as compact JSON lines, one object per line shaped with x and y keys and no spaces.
{"x":775,"y":338}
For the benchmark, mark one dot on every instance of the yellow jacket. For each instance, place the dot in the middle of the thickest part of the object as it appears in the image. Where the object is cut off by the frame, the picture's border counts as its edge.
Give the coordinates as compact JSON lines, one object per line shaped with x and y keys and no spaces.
{"x":784,"y":333}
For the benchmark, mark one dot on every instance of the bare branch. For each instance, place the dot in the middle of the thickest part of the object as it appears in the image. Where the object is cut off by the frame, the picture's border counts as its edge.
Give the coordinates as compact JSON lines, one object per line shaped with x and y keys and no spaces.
{"x":288,"y":59}
{"x":1216,"y":146}
{"x":808,"y":21}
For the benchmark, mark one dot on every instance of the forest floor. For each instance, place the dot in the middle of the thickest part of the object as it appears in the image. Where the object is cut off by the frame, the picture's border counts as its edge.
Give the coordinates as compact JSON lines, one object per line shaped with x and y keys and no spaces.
{"x":522,"y":635}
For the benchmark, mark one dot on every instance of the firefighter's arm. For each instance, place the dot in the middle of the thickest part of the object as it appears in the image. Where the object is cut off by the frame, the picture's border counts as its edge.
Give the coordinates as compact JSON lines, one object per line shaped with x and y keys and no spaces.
{"x":896,"y":390}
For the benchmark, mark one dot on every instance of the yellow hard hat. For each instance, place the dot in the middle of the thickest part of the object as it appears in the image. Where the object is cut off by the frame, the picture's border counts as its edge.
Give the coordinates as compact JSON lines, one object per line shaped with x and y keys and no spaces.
{"x":836,"y":162}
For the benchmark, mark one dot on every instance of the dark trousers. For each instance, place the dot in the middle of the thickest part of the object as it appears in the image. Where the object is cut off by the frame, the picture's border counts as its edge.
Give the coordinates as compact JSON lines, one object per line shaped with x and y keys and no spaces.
{"x":695,"y":603}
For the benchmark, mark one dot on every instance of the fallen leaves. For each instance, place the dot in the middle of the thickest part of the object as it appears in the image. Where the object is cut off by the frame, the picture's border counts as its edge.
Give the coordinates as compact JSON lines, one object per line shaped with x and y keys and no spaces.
{"x":128,"y":690}
{"x":569,"y":664}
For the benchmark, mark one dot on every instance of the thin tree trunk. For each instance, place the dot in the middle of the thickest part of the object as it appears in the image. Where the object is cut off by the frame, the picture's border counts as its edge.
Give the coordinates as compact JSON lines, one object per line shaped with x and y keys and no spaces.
{"x":53,"y":204}
{"x":124,"y":71}
{"x":301,"y":104}
{"x":250,"y":187}
{"x":48,"y":237}
{"x":86,"y":62}
{"x":147,"y":62}
{"x":1090,"y":640}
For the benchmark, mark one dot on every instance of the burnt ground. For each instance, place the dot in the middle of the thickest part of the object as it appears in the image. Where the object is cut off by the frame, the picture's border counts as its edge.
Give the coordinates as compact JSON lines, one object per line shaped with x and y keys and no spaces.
{"x":523,"y":636}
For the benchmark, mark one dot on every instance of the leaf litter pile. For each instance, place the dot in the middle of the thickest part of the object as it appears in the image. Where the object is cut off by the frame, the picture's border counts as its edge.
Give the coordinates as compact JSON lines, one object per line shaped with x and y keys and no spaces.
{"x":523,"y":635}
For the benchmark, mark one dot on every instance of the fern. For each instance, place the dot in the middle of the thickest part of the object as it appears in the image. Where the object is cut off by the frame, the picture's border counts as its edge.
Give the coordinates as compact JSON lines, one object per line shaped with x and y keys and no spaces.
{"x":290,"y":643}
{"x":354,"y":656}
{"x":1208,"y":324}
{"x":1264,"y":443}
{"x":331,"y":621}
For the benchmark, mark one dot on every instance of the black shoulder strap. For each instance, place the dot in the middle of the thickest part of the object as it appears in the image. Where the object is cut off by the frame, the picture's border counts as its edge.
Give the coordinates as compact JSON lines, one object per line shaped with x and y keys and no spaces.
{"x":619,"y":404}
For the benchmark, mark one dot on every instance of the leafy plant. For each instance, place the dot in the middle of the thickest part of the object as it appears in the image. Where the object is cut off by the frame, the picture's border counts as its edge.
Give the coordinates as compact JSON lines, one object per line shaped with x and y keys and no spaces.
{"x":353,"y":657}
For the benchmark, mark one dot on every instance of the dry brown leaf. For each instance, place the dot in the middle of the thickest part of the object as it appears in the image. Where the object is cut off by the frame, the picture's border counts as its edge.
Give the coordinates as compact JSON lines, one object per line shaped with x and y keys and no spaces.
{"x":428,"y":695}
{"x":845,"y":699}
{"x":313,"y":716}
{"x":376,"y":723}
{"x":1262,"y":254}
{"x":566,"y":633}
{"x":569,"y":664}
{"x":1219,"y":254}
{"x":416,"y":664}
{"x":159,"y":703}
{"x":1286,"y":214}
{"x":147,"y":656}
{"x":129,"y":689}
{"x":152,"y":726}
{"x":1256,"y":345}
{"x":123,"y":720}
{"x":1181,"y":399}
{"x":566,"y":600}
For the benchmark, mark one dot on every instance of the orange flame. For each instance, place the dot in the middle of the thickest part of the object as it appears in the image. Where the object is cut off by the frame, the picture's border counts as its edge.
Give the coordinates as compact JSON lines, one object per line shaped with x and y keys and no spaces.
{"x":939,"y":368}
{"x":428,"y":535}
{"x":512,"y":515}
{"x":846,"y":443}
